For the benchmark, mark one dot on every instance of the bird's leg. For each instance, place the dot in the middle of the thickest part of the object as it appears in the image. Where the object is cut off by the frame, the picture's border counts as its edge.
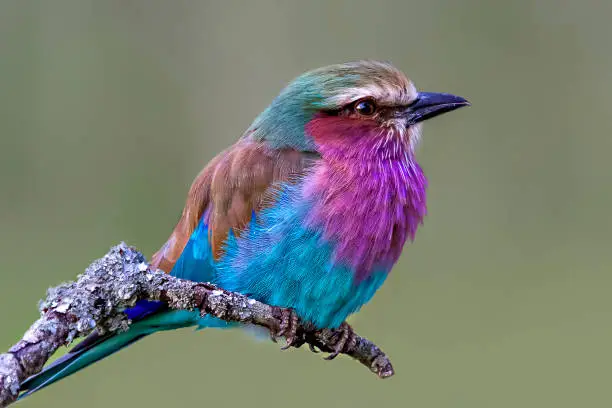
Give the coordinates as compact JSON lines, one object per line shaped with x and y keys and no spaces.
{"x":345,"y":342}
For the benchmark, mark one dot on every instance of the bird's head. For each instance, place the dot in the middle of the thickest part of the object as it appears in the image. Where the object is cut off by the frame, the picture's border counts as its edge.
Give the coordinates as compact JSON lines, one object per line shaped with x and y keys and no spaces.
{"x":346,"y":103}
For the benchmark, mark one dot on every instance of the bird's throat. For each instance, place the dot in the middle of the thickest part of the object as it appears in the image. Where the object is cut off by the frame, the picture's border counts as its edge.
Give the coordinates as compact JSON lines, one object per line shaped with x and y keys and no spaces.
{"x":367,"y":193}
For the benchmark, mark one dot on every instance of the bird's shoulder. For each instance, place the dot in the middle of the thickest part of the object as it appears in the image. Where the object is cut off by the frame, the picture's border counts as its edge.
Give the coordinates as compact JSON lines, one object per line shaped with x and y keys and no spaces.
{"x":236,"y":183}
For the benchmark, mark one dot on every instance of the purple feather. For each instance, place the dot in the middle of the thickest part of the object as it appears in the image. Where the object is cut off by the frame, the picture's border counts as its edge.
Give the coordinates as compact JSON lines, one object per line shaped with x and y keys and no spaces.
{"x":368,"y":192}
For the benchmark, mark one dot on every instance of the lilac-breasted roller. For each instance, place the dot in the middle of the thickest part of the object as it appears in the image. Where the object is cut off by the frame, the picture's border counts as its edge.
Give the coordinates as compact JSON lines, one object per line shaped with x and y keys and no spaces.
{"x":308,"y":210}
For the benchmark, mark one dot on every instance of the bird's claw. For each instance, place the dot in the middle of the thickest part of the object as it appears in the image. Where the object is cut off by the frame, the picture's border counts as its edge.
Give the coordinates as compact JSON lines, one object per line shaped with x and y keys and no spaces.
{"x":288,"y":329}
{"x":345,"y":342}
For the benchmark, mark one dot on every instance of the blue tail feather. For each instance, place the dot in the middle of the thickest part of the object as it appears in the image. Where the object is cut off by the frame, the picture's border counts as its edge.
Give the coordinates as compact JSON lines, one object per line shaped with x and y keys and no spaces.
{"x":74,"y":361}
{"x":148,"y":317}
{"x":95,"y":347}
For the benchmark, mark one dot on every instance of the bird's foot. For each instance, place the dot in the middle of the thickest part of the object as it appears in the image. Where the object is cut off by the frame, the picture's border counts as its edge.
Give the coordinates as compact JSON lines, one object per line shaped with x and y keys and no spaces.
{"x":289,"y":323}
{"x":345,"y":342}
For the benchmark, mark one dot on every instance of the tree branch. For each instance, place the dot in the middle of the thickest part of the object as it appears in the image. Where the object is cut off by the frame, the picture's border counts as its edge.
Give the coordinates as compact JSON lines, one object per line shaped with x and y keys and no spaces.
{"x":117,"y":281}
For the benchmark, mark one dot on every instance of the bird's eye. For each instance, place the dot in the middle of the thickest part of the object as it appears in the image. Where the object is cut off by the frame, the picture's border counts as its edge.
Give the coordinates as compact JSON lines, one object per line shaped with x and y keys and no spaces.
{"x":366,"y":107}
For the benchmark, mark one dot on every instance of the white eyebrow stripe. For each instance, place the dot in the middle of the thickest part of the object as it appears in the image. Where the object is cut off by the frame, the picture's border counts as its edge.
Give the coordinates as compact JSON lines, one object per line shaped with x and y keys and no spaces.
{"x":384,"y":93}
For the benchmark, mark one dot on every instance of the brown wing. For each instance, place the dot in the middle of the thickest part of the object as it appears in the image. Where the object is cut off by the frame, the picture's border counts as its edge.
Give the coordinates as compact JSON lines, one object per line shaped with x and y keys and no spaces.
{"x":229,"y":189}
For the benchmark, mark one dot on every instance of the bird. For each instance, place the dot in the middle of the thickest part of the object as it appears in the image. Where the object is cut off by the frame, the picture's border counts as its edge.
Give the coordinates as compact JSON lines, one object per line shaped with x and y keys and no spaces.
{"x":309,"y":210}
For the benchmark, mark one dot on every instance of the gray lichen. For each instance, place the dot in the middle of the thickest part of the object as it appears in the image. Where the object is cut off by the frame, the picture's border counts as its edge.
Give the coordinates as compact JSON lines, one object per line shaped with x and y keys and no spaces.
{"x":115,"y":282}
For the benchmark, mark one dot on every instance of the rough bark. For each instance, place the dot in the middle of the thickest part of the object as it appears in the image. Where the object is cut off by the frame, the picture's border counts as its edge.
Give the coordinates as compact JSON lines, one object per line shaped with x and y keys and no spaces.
{"x":116,"y":281}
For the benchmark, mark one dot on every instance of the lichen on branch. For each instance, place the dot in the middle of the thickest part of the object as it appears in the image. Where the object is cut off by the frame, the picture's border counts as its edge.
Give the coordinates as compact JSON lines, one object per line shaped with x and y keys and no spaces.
{"x":119,"y":279}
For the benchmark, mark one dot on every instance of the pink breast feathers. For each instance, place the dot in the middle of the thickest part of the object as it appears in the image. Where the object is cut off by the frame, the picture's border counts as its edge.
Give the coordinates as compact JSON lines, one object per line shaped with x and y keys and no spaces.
{"x":368,"y":192}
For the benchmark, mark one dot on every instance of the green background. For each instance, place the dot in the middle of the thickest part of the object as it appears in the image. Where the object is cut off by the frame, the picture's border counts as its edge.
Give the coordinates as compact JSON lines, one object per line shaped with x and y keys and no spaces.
{"x":108,"y":109}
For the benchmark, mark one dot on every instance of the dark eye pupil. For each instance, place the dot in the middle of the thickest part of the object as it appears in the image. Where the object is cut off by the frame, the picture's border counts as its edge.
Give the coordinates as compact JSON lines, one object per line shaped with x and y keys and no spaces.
{"x":365,"y":108}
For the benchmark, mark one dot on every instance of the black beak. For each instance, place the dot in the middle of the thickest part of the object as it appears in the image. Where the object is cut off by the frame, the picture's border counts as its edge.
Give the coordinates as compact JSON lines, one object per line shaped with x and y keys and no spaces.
{"x":430,"y":104}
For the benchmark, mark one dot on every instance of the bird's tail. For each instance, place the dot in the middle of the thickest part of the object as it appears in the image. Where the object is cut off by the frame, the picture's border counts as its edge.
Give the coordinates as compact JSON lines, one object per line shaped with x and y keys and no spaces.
{"x":148,"y":317}
{"x":96,"y":347}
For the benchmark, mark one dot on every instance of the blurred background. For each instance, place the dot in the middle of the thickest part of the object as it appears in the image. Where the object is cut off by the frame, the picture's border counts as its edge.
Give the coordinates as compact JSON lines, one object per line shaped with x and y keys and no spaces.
{"x":108,"y":110}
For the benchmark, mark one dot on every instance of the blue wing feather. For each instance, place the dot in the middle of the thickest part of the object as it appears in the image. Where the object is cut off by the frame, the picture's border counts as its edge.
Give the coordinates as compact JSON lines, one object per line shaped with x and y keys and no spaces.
{"x":196,"y":261}
{"x":195,"y":264}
